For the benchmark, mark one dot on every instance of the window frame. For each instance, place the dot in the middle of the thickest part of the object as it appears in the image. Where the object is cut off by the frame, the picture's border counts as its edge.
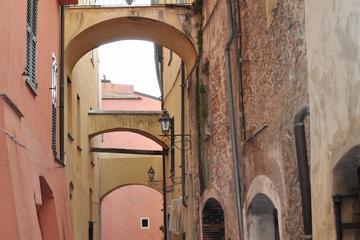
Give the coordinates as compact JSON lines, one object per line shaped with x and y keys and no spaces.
{"x":141,"y":222}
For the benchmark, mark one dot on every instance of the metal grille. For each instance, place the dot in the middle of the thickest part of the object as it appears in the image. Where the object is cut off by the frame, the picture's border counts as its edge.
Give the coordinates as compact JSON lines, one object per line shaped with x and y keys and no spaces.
{"x":131,"y":3}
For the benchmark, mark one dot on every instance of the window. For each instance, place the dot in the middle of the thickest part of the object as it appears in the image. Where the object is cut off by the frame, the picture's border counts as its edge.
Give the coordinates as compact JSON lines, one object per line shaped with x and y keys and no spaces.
{"x":31,"y":22}
{"x":144,"y":223}
{"x":53,"y":100}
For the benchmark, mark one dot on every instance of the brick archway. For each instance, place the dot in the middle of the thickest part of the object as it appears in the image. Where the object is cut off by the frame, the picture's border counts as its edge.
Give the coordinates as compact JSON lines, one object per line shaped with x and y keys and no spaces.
{"x":213,"y":221}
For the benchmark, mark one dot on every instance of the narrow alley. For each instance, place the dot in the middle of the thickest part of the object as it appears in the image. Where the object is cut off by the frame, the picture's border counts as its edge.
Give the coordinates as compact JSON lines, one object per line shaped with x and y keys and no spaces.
{"x":180,"y":119}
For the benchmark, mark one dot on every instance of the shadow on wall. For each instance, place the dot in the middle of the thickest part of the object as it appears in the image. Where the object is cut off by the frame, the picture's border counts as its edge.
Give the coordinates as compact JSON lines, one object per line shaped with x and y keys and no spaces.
{"x":346,"y":189}
{"x":213,"y":226}
{"x":47,"y":213}
{"x":262,"y":219}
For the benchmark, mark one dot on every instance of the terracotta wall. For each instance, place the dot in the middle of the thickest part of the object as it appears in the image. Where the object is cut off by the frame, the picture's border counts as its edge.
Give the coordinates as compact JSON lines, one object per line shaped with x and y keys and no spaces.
{"x":25,"y":127}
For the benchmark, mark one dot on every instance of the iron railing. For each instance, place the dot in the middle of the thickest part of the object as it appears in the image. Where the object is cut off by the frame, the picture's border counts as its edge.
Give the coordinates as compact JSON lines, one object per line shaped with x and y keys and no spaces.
{"x":131,"y":3}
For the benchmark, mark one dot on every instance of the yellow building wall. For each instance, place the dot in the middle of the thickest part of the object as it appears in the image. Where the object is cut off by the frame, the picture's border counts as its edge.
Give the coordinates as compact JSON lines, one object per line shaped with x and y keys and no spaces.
{"x":172,"y":103}
{"x":119,"y":170}
{"x":81,"y":95}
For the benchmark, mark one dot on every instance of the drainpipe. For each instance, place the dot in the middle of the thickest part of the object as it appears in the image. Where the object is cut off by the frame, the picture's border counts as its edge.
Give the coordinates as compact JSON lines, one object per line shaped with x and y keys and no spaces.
{"x":301,"y":153}
{"x":183,"y":179}
{"x":62,"y":118}
{"x":164,"y":195}
{"x":230,"y":102}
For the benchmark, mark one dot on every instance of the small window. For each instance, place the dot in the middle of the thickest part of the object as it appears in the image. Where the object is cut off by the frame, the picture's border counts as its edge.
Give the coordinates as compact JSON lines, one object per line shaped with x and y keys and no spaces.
{"x":144,"y":223}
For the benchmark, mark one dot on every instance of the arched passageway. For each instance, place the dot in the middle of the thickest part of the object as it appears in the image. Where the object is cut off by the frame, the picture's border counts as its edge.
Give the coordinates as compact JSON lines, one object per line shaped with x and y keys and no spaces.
{"x":262,"y":219}
{"x":143,"y":123}
{"x":133,"y":212}
{"x":47,"y":213}
{"x":346,"y":189}
{"x":213,"y":223}
{"x":174,"y":28}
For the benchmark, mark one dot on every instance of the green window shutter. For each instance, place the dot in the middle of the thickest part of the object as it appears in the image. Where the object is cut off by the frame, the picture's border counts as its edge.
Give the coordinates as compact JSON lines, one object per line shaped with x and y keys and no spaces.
{"x":31,"y":25}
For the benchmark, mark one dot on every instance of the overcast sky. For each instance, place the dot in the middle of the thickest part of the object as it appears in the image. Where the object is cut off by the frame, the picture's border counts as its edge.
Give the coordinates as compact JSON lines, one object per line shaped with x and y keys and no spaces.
{"x":130,"y":62}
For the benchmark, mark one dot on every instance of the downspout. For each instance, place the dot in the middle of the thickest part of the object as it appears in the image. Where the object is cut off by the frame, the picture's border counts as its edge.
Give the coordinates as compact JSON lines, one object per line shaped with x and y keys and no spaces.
{"x":183,"y":179}
{"x":230,"y":103}
{"x":62,"y":118}
{"x":301,"y":153}
{"x":164,"y":195}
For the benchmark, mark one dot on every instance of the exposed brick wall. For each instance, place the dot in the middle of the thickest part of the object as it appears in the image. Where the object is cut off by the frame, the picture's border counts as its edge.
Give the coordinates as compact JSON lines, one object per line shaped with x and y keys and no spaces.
{"x":213,"y":226}
{"x":275,"y":87}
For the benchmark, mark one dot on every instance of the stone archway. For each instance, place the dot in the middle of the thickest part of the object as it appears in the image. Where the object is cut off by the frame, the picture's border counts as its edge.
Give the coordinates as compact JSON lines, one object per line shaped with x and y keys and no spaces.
{"x":143,"y":123}
{"x":261,"y":186}
{"x":213,"y":221}
{"x":262,"y":219}
{"x":174,"y":28}
{"x":346,"y":182}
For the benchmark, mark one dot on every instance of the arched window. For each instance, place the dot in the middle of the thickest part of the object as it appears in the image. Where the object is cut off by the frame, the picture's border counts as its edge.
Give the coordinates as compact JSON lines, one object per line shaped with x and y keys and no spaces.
{"x":213,"y":226}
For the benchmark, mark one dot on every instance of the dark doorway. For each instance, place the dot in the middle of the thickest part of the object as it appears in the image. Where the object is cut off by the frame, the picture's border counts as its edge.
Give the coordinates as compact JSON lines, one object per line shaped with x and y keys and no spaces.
{"x":213,"y":226}
{"x":262,"y":219}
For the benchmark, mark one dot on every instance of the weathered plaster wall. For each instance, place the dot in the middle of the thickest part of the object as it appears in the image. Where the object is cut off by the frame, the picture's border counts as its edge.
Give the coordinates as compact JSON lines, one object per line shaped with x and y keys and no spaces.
{"x":275,"y":88}
{"x":333,"y":43}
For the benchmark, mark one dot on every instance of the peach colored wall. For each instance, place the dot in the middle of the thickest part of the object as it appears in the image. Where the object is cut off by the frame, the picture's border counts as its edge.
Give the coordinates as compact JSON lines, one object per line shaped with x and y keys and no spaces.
{"x":25,"y":152}
{"x":128,"y":140}
{"x":122,"y":209}
{"x":134,"y":102}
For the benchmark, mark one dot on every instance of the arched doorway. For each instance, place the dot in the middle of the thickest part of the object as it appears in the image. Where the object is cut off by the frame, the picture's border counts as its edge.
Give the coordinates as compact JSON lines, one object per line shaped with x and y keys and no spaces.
{"x":213,"y":224}
{"x":346,"y":185}
{"x":47,"y":213}
{"x":132,"y":212}
{"x":262,"y":219}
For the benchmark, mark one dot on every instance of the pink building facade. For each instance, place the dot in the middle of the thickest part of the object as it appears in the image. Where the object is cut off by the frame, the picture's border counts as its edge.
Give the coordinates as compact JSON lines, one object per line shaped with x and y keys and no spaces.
{"x":33,"y":195}
{"x":133,"y":210}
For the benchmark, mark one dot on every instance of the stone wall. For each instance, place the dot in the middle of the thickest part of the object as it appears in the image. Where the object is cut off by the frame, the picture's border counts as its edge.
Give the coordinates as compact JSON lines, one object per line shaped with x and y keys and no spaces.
{"x":272,"y":51}
{"x":275,"y":88}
